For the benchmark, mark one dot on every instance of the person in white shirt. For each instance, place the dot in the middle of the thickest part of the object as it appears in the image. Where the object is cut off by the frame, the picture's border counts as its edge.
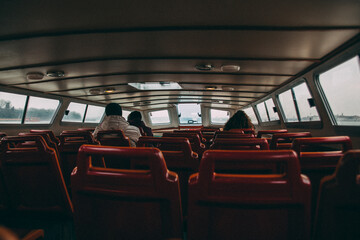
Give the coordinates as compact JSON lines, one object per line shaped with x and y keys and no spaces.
{"x":115,"y":121}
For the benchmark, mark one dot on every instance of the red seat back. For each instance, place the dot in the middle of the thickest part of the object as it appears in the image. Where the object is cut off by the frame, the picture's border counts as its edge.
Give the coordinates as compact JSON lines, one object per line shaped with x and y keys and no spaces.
{"x":196,"y":144}
{"x":33,"y":178}
{"x":198,"y":131}
{"x":49,"y":132}
{"x":244,"y":130}
{"x":86,"y":129}
{"x":113,"y":138}
{"x":125,"y":204}
{"x":284,"y":140}
{"x":243,"y":206}
{"x":270,"y":132}
{"x":338,"y":210}
{"x":240,"y":144}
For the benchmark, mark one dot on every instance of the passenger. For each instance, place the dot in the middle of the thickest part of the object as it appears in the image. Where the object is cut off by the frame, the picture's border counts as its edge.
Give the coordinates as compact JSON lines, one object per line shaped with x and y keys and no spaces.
{"x":238,"y":121}
{"x":134,"y":119}
{"x":115,"y":121}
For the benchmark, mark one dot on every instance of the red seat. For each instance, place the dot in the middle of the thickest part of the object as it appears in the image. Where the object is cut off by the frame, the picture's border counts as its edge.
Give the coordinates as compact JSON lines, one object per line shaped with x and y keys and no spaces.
{"x":284,"y":140}
{"x":270,"y":132}
{"x":51,"y":134}
{"x":240,"y":144}
{"x":178,"y":156}
{"x":198,"y":131}
{"x":34,"y":182}
{"x":125,"y":204}
{"x":196,"y":144}
{"x":338,"y":210}
{"x":113,"y":138}
{"x":243,"y":130}
{"x":86,"y":129}
{"x":319,"y":157}
{"x":243,"y":206}
{"x":70,"y":142}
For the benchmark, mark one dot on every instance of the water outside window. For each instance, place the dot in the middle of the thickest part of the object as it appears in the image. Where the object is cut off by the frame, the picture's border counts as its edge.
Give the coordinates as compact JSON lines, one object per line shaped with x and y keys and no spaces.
{"x":189,"y":113}
{"x":76,"y":112}
{"x":94,"y":114}
{"x":219,"y":116}
{"x":302,"y":95}
{"x":40,"y":110}
{"x":262,"y":112}
{"x":11,"y":107}
{"x":250,"y":112}
{"x":160,"y":117}
{"x":288,"y":106}
{"x":341,"y":86}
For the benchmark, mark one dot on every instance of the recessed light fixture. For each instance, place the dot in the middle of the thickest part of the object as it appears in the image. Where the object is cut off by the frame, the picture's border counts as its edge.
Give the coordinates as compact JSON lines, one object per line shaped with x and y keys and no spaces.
{"x":204,"y":67}
{"x":227,"y":88}
{"x":95,"y":91}
{"x":155,"y":85}
{"x":230,"y":68}
{"x":210,"y":88}
{"x":55,"y":74}
{"x":35,"y":76}
{"x":109,"y":90}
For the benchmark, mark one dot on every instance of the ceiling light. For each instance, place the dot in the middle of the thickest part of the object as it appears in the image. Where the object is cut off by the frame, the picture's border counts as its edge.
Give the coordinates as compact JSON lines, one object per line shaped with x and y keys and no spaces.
{"x":109,"y":90}
{"x":210,"y":87}
{"x":155,"y":85}
{"x":204,"y":67}
{"x":226,"y":88}
{"x":95,"y":91}
{"x":35,"y":76}
{"x":230,"y":68}
{"x":55,"y":74}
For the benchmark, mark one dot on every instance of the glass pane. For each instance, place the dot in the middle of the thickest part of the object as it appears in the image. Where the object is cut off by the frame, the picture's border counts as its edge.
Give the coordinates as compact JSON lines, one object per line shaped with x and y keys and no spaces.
{"x":219,"y":116}
{"x":189,"y":113}
{"x":262,"y":112}
{"x":302,"y":95}
{"x":40,"y":110}
{"x":11,"y":107}
{"x":341,"y":86}
{"x":270,"y":107}
{"x":125,"y":113}
{"x":250,"y":112}
{"x":94,"y":114}
{"x":160,"y":117}
{"x":288,"y":107}
{"x":76,"y":112}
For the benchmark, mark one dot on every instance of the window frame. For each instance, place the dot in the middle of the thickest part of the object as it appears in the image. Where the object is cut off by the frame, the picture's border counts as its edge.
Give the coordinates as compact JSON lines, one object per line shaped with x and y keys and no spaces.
{"x":67,"y":123}
{"x":268,"y":123}
{"x":215,"y":123}
{"x":159,"y":124}
{"x":299,"y":123}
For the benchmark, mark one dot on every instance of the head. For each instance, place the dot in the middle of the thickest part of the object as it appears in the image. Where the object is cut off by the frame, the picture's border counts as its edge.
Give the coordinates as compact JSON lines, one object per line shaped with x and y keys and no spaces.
{"x":113,"y":109}
{"x":134,"y":116}
{"x":239,"y":120}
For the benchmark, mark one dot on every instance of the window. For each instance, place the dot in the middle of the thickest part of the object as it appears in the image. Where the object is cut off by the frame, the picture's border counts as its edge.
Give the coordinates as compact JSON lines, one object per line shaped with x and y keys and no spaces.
{"x":266,"y":111}
{"x":219,"y":116}
{"x":250,"y":112}
{"x":94,"y":114}
{"x":341,"y":87}
{"x":74,"y":113}
{"x":159,"y":117}
{"x":12,"y":107}
{"x":125,"y":113}
{"x":40,"y":110}
{"x":189,"y":113}
{"x":296,"y":104}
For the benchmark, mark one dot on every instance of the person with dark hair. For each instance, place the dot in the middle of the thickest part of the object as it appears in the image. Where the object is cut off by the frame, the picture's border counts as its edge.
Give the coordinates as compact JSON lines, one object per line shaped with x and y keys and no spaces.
{"x":115,"y":121}
{"x":134,"y":119}
{"x":238,"y":121}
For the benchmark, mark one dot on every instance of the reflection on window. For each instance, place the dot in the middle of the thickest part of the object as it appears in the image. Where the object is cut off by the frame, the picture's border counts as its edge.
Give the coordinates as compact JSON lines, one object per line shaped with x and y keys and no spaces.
{"x":219,"y":116}
{"x":189,"y":113}
{"x":288,"y":107}
{"x":306,"y":112}
{"x":159,"y":117}
{"x":250,"y":112}
{"x":94,"y":114}
{"x":341,"y":86}
{"x":11,"y":107}
{"x":262,"y":112}
{"x":125,"y":113}
{"x":40,"y":110}
{"x":270,"y":108}
{"x":74,"y":113}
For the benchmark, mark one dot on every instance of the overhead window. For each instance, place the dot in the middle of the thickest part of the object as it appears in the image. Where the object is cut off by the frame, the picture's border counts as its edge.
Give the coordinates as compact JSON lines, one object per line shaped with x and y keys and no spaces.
{"x":12,"y":107}
{"x":298,"y":105}
{"x":341,"y":87}
{"x":159,"y":117}
{"x":75,"y":112}
{"x":219,"y":116}
{"x":94,"y":114}
{"x":40,"y":110}
{"x":189,"y":113}
{"x":250,"y":112}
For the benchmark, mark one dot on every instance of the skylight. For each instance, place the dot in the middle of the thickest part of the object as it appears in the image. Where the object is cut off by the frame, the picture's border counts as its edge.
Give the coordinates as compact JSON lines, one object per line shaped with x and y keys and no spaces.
{"x":155,"y":85}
